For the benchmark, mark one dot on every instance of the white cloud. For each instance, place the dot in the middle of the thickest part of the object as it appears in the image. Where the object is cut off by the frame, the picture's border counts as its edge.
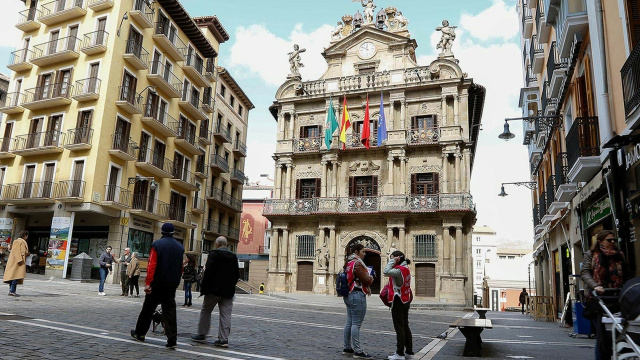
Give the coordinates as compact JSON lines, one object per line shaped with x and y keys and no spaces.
{"x":261,"y":52}
{"x":496,"y":22}
{"x":10,"y":36}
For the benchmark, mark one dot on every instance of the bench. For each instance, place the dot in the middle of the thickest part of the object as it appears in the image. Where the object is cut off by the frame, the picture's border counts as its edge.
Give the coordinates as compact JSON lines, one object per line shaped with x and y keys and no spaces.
{"x":471,"y":329}
{"x":482,"y":312}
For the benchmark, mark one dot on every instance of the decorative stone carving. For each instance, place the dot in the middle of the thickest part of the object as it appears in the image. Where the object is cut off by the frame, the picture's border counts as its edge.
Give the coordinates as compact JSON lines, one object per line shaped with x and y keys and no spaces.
{"x":308,"y":175}
{"x":426,"y":108}
{"x":434,"y":70}
{"x":369,"y":8}
{"x":424,"y":168}
{"x":364,"y":168}
{"x":295,"y":62}
{"x":448,"y":36}
{"x":348,"y":25}
{"x":337,"y":32}
{"x":370,"y":239}
{"x":395,"y":19}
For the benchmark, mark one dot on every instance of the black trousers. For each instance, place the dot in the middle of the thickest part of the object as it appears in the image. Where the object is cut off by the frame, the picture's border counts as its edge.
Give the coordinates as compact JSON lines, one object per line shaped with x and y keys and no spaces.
{"x":167,"y":299}
{"x":400,"y":315}
{"x":124,"y":282}
{"x":133,"y":282}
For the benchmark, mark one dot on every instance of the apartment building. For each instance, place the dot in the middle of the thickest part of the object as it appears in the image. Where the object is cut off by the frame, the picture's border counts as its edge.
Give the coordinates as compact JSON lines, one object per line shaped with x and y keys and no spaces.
{"x":580,"y":103}
{"x":107,"y":129}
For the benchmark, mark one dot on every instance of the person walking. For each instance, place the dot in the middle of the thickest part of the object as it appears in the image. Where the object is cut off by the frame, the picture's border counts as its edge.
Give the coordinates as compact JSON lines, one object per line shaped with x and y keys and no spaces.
{"x":400,"y":297}
{"x":359,"y":281}
{"x":221,"y":274}
{"x":16,"y":269}
{"x":133,"y":272}
{"x":261,"y":289}
{"x":189,"y":277}
{"x":523,"y":298}
{"x":199,"y":275}
{"x":163,"y":277}
{"x":604,"y":266}
{"x":124,"y":261}
{"x":106,"y":264}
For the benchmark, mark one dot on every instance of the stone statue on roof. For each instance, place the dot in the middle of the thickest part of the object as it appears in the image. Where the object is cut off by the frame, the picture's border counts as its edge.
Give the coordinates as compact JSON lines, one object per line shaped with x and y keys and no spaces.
{"x":448,"y":35}
{"x":369,"y":8}
{"x":336,"y":34}
{"x":295,"y":62}
{"x":403,"y":22}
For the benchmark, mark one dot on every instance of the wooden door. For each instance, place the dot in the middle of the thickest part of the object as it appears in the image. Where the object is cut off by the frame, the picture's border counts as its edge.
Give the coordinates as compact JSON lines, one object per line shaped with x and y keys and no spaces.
{"x":129,"y":83}
{"x":134,"y":44}
{"x":47,"y":184}
{"x":63,"y":83}
{"x":6,"y":140}
{"x":305,"y":276}
{"x":121,"y":136}
{"x":27,"y":186}
{"x":156,"y":62}
{"x":43,"y":88}
{"x":35,"y":131}
{"x":32,"y":10}
{"x":72,"y":39}
{"x":112,"y":194}
{"x":178,"y":161}
{"x":93,"y":78}
{"x":60,"y":5}
{"x":26,"y":48}
{"x":426,"y":280}
{"x":140,"y":191}
{"x":144,"y":147}
{"x":99,"y":38}
{"x":373,"y":259}
{"x":76,"y":188}
{"x":52,"y":136}
{"x":53,"y":42}
{"x":174,"y":209}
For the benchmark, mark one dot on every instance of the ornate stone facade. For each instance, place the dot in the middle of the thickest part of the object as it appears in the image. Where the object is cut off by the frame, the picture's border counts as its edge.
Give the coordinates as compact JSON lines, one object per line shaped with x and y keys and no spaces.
{"x":409,"y":191}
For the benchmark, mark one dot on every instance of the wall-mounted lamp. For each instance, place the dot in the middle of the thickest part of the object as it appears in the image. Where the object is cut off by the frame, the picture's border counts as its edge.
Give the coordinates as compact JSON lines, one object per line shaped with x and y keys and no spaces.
{"x":528,"y":184}
{"x":124,"y":17}
{"x":549,"y":121}
{"x":153,"y":185}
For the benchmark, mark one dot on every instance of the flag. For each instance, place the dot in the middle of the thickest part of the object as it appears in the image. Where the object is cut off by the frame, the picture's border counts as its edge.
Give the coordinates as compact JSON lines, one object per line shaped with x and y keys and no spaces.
{"x":346,"y":123}
{"x":366,"y":127}
{"x":331,"y":125}
{"x":382,"y":124}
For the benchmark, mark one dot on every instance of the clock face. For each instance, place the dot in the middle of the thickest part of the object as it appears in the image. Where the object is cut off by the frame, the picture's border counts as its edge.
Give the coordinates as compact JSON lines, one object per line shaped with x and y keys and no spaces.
{"x":367,"y":50}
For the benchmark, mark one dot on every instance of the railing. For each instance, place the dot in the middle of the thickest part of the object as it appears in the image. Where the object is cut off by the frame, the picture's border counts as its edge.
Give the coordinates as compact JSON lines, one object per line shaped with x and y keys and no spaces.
{"x":224,"y":132}
{"x":542,"y":205}
{"x":124,"y":144}
{"x":554,"y":61}
{"x":536,"y":215}
{"x":70,"y":189}
{"x":204,"y":132}
{"x":212,"y":226}
{"x":183,"y":174}
{"x":153,"y":158}
{"x":630,"y":74}
{"x":534,"y":48}
{"x":67,"y":43}
{"x":207,"y":100}
{"x":210,"y":68}
{"x":35,"y":190}
{"x":539,"y":15}
{"x":48,"y":92}
{"x":57,"y":6}
{"x":187,"y":95}
{"x":158,"y":68}
{"x":145,"y":8}
{"x":188,"y":134}
{"x":31,"y":14}
{"x":225,"y":198}
{"x":356,"y":82}
{"x":163,"y":28}
{"x":238,"y":174}
{"x":218,"y":160}
{"x":526,"y":14}
{"x":38,"y":140}
{"x":135,"y":48}
{"x":198,"y":204}
{"x":354,"y":142}
{"x":201,"y":166}
{"x":530,"y":77}
{"x":196,"y":62}
{"x":161,"y":116}
{"x":429,"y":135}
{"x":561,"y":169}
{"x":544,"y":97}
{"x":424,"y":202}
{"x":11,"y":99}
{"x":583,"y":139}
{"x":20,"y":56}
{"x":234,"y":233}
{"x":130,"y":95}
{"x":309,"y":144}
{"x":551,"y":191}
{"x":150,"y":205}
{"x":577,"y":7}
{"x":82,"y":135}
{"x":181,"y":215}
{"x":240,"y":146}
{"x":425,"y":248}
{"x":117,"y":195}
{"x":96,"y":38}
{"x":87,"y":86}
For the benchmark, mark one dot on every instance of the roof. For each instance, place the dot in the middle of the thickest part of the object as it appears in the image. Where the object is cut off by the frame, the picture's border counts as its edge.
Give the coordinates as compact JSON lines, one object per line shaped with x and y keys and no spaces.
{"x":484,"y":229}
{"x":214,"y":25}
{"x":476,"y":106}
{"x":181,"y":17}
{"x":226,"y":76}
{"x":4,"y":77}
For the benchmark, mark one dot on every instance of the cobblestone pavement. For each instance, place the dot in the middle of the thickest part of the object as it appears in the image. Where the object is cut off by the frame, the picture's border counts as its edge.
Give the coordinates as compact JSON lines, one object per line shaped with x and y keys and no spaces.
{"x":57,"y":318}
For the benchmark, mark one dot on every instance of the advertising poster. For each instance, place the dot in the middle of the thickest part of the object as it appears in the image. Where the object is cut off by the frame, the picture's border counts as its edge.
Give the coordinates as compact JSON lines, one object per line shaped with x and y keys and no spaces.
{"x":58,"y":240}
{"x":6,"y":226}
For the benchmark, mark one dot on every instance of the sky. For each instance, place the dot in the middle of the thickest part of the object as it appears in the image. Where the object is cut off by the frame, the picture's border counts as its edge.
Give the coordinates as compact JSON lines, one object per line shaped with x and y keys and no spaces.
{"x":487,"y":45}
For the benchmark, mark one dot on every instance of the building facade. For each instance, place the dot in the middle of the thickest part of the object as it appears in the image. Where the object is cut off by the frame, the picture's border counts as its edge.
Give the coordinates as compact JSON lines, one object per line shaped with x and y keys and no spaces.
{"x":108,"y":126}
{"x":580,"y":61}
{"x":408,"y":192}
{"x":483,"y":249}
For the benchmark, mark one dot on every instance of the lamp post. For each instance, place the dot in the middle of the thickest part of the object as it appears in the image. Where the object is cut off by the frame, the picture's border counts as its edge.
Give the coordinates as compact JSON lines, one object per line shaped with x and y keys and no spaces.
{"x":550,"y":121}
{"x":528,"y":184}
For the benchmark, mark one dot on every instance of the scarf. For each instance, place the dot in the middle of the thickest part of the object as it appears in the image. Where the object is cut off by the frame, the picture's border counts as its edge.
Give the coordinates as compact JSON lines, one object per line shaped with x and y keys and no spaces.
{"x":607,"y":268}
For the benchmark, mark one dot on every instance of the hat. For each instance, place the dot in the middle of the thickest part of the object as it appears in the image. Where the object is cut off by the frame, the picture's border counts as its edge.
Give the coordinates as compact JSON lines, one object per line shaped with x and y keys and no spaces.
{"x":168,"y":228}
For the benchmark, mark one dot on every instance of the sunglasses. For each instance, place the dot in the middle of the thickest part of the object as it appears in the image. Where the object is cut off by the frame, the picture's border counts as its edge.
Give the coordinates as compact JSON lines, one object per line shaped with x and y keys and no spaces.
{"x":610,"y":239}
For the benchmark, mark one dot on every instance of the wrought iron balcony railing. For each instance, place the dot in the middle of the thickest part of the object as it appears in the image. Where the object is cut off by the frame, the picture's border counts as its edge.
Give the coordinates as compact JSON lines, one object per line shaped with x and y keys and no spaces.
{"x":583,"y":139}
{"x":310,"y":144}
{"x":561,"y":169}
{"x":95,"y":39}
{"x":135,"y":48}
{"x":49,"y":92}
{"x":417,"y":136}
{"x":150,"y":205}
{"x":118,"y":195}
{"x":77,"y":136}
{"x":68,"y":189}
{"x":38,"y":140}
{"x":630,"y":74}
{"x":219,"y":161}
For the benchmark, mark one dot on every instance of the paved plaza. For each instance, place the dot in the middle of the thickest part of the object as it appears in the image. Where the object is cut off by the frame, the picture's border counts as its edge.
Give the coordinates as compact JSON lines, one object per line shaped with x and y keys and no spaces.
{"x":56,"y":318}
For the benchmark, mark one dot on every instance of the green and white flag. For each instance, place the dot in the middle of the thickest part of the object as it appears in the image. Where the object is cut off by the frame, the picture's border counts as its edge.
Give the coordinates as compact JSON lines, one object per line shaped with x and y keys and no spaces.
{"x":331,"y":125}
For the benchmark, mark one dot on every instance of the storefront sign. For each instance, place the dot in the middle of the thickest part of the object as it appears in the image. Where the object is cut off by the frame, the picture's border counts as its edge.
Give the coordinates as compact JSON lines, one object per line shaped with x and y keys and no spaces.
{"x":6,"y":226}
{"x":597,"y":212}
{"x":141,"y":223}
{"x":58,"y":240}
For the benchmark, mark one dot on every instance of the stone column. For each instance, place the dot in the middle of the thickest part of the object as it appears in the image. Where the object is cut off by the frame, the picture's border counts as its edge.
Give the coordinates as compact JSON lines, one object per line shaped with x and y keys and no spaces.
{"x":287,"y":184}
{"x":446,"y":244}
{"x":445,"y":180}
{"x":273,"y":251}
{"x":323,"y":181}
{"x":456,"y":118}
{"x":444,"y":110}
{"x":402,"y":240}
{"x":284,"y":250}
{"x":452,"y":255}
{"x":333,"y":252}
{"x":458,"y":170}
{"x":459,"y":245}
{"x":334,"y":179}
{"x":390,"y":161}
{"x":278,"y":182}
{"x":389,"y":236}
{"x":403,"y":113}
{"x":291,"y":123}
{"x":403,"y":175}
{"x":280,"y":126}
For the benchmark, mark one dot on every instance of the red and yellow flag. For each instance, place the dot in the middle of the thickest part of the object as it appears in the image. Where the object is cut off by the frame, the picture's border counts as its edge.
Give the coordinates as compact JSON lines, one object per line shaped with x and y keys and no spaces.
{"x":366,"y":128}
{"x":345,"y":124}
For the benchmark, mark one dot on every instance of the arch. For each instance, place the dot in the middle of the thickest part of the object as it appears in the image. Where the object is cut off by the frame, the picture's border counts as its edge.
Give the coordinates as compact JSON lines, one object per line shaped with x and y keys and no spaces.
{"x":348,"y":236}
{"x":369,"y":243}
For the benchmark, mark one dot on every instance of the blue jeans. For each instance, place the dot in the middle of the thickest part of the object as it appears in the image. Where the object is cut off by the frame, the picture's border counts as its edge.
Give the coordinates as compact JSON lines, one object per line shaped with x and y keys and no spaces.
{"x":12,"y":286}
{"x":187,"y":292}
{"x":356,"y":304}
{"x":103,"y":277}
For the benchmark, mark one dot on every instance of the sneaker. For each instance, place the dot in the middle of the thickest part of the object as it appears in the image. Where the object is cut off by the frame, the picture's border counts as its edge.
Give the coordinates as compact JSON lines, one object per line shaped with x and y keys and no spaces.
{"x":361,"y":355}
{"x":171,"y":344}
{"x":102,"y":293}
{"x":347,"y":351}
{"x":136,"y":336}
{"x":123,"y":294}
{"x":199,"y":338}
{"x":224,"y":344}
{"x":409,"y":355}
{"x":395,"y":356}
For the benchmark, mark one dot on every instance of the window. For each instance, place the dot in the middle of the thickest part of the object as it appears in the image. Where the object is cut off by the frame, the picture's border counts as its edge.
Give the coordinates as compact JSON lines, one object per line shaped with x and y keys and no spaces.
{"x":140,"y":242}
{"x":478,"y":251}
{"x":223,"y":91}
{"x":424,"y":122}
{"x":511,"y":257}
{"x":424,"y":184}
{"x":425,"y":246}
{"x":479,"y":263}
{"x":363,"y":186}
{"x":357,"y":126}
{"x":240,"y":110}
{"x":503,"y":257}
{"x":633,"y":12}
{"x":309,"y":131}
{"x":306,"y":246}
{"x":307,"y":188}
{"x":232,"y":101}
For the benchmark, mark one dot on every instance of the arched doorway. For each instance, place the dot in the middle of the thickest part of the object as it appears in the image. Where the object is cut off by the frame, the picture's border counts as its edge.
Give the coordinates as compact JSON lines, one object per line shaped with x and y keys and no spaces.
{"x":372,"y":258}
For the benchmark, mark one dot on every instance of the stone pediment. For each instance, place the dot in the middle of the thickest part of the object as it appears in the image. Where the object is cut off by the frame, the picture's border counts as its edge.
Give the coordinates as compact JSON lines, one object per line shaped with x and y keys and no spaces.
{"x":370,"y":33}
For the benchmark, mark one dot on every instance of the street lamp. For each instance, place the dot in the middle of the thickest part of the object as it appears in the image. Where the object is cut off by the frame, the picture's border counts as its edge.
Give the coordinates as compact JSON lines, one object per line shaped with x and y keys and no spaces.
{"x":151,"y":88}
{"x":528,"y":184}
{"x":550,"y":121}
{"x":153,"y":185}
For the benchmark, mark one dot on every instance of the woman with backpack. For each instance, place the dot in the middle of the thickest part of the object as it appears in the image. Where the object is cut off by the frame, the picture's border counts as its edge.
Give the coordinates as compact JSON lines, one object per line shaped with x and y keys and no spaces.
{"x":359,"y":281}
{"x":399,"y":295}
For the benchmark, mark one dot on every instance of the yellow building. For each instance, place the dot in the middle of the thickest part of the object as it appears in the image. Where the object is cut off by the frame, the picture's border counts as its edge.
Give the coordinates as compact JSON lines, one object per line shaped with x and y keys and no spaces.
{"x":108,"y":116}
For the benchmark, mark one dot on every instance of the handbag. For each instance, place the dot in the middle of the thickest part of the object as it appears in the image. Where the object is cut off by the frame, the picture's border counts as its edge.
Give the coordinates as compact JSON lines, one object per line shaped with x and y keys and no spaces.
{"x":384,"y":294}
{"x":592,"y":310}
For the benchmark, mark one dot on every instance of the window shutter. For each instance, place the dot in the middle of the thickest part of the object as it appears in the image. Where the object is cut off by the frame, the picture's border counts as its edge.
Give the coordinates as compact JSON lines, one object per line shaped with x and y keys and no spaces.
{"x":302,"y":134}
{"x":298,"y":189}
{"x":436,"y":183}
{"x":414,"y":183}
{"x":352,"y":186}
{"x":435,"y":120}
{"x":319,"y":134}
{"x":374,"y":191}
{"x":414,"y":122}
{"x":317,"y":194}
{"x":633,"y":10}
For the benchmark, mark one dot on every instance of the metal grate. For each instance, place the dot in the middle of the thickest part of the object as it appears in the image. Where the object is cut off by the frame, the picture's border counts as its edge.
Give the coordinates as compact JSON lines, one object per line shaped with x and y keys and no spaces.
{"x":306,"y":246}
{"x":425,"y":247}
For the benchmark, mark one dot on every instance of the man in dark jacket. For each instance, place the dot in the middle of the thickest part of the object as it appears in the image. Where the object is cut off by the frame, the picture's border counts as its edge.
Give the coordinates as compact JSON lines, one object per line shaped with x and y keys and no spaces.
{"x":522,"y":299}
{"x":221,"y":275}
{"x":164,"y":271}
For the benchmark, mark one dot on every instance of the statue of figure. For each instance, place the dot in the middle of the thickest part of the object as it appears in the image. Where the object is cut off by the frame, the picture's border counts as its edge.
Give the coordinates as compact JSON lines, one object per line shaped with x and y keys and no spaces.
{"x":448,"y":35}
{"x":403,"y":22}
{"x":337,"y":32}
{"x":369,"y":8}
{"x":295,"y":63}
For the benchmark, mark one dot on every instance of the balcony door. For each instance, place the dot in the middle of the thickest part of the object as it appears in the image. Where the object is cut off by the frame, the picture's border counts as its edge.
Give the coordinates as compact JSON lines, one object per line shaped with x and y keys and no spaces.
{"x":102,"y":24}
{"x":27,"y":186}
{"x":47,"y":184}
{"x":93,"y":78}
{"x":76,"y":186}
{"x":23,"y":58}
{"x":156,"y":62}
{"x":360,"y":186}
{"x":32,"y":10}
{"x":134,"y":43}
{"x":44,"y":84}
{"x":424,"y":122}
{"x":53,"y":42}
{"x":424,"y":184}
{"x":73,"y":37}
{"x":52,"y":136}
{"x":60,"y":5}
{"x":151,"y":110}
{"x":145,"y":140}
{"x":178,"y":166}
{"x":63,"y":81}
{"x":129,"y":83}
{"x":121,"y":136}
{"x":83,"y":127}
{"x":307,"y":188}
{"x":35,"y":131}
{"x":6,"y":140}
{"x":158,"y":155}
{"x":112,"y":193}
{"x":633,"y":11}
{"x":140,"y":198}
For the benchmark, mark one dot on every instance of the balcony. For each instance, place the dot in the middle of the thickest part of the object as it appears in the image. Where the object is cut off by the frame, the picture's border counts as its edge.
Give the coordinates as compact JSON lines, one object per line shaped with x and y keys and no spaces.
{"x":27,"y":20}
{"x":565,"y":189}
{"x":159,"y":120}
{"x":39,"y":143}
{"x":154,"y":163}
{"x":542,"y":208}
{"x":571,"y":20}
{"x":79,"y":139}
{"x":556,"y":70}
{"x":12,"y":103}
{"x":167,"y":39}
{"x":184,"y":179}
{"x":354,"y":142}
{"x":6,"y":148}
{"x":421,"y":136}
{"x":198,"y":206}
{"x":165,"y":80}
{"x":552,"y":206}
{"x":536,"y":55}
{"x":191,"y":105}
{"x":142,"y":13}
{"x":213,"y":228}
{"x":116,"y":197}
{"x":70,"y":191}
{"x":583,"y":149}
{"x":542,"y":29}
{"x":219,"y":164}
{"x":136,"y":55}
{"x":630,"y":74}
{"x":239,"y":148}
{"x":99,"y":5}
{"x":238,"y":177}
{"x":210,"y":70}
{"x":221,"y":133}
{"x":57,"y":11}
{"x":19,"y":60}
{"x":123,"y":148}
{"x":194,"y":67}
{"x":207,"y":104}
{"x":95,"y":42}
{"x":535,"y":154}
{"x":87,"y":90}
{"x":205,"y":136}
{"x":537,"y":225}
{"x":35,"y":192}
{"x":180,"y":217}
{"x":149,"y":207}
{"x":542,"y":134}
{"x":307,"y":145}
{"x":56,"y":51}
{"x":201,"y":168}
{"x":129,"y":100}
{"x":187,"y":140}
{"x":530,"y":79}
{"x":224,"y":199}
{"x":527,"y":20}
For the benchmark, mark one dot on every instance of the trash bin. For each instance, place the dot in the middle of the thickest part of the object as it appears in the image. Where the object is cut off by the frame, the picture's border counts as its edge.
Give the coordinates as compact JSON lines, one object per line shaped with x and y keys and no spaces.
{"x":81,"y":268}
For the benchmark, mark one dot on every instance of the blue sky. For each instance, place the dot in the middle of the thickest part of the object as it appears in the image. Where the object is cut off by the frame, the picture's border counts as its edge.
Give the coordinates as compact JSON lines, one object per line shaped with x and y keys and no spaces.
{"x":487,"y":45}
